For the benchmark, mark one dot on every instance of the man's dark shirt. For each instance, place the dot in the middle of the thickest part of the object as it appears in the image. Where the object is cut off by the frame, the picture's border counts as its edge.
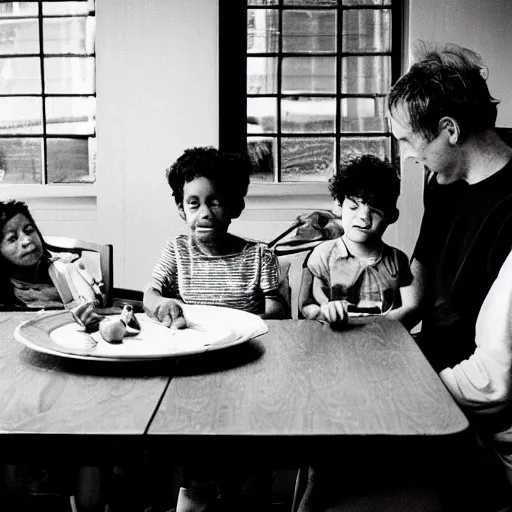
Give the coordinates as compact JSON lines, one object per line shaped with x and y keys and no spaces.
{"x":465,"y":236}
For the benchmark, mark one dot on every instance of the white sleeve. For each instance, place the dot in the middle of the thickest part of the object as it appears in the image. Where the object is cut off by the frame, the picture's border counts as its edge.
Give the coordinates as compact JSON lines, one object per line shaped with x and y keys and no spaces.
{"x":483,"y":381}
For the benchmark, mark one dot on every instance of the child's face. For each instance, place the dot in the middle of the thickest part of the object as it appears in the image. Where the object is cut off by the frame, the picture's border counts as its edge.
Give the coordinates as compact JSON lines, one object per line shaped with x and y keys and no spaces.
{"x":206,"y":213}
{"x":21,"y":244}
{"x":361,"y":222}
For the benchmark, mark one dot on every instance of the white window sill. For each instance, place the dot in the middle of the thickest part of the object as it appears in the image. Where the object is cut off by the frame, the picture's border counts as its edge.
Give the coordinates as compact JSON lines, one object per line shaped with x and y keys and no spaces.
{"x":22,"y":192}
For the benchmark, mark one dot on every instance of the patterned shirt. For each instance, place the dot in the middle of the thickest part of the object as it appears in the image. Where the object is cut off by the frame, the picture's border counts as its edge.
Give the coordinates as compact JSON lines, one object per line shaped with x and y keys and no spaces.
{"x":240,"y":280}
{"x":361,"y":283}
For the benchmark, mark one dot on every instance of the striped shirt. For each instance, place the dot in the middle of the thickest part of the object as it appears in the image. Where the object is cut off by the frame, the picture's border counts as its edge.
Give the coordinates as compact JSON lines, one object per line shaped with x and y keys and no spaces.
{"x":240,"y":280}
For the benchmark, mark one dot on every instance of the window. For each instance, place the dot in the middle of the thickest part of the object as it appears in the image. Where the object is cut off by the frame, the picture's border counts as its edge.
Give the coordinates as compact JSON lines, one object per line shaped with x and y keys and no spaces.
{"x":47,"y":92}
{"x":315,"y":74}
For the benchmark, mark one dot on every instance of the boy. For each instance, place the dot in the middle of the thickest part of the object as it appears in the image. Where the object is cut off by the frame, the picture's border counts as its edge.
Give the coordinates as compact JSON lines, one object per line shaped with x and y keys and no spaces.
{"x":210,"y":266}
{"x":358,"y":273}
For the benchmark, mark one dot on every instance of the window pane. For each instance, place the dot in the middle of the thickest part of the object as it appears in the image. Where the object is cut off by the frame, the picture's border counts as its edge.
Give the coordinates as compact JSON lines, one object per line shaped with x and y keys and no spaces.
{"x":367,"y":30}
{"x":306,"y":114}
{"x":20,"y":75}
{"x":52,"y":8}
{"x":20,"y":160}
{"x":68,"y":35}
{"x":366,"y":75}
{"x":261,"y":75}
{"x":366,"y":2}
{"x":262,"y":30}
{"x":19,"y":36}
{"x":309,"y":74}
{"x":68,"y":160}
{"x":261,"y":115}
{"x":380,"y":146}
{"x":69,"y":75}
{"x":9,"y":9}
{"x":261,"y":153}
{"x":70,"y":115}
{"x":363,"y":115}
{"x":309,"y":31}
{"x":306,"y":159}
{"x":311,"y":2}
{"x":262,"y":2}
{"x":21,"y":115}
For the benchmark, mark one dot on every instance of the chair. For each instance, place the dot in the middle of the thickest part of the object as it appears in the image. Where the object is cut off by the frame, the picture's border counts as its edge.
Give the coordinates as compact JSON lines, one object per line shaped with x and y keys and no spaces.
{"x":97,"y":257}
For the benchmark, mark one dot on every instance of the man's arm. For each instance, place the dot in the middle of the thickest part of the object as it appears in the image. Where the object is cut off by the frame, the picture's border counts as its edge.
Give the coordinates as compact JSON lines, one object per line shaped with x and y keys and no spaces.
{"x":409,"y":313}
{"x":483,"y":381}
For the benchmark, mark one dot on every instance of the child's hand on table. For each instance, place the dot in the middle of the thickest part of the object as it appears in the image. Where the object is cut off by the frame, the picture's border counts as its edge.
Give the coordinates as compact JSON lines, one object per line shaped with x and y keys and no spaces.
{"x":334,"y":313}
{"x":170,"y":313}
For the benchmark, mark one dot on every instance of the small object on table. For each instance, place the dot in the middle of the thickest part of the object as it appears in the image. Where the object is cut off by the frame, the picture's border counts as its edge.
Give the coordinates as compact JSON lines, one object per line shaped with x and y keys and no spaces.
{"x":113,"y":330}
{"x":86,"y":315}
{"x":129,"y":318}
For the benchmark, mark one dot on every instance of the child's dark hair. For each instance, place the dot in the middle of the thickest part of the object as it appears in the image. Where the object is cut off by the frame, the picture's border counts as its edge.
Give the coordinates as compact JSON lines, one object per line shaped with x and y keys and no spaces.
{"x":229,"y":171}
{"x":367,"y":177}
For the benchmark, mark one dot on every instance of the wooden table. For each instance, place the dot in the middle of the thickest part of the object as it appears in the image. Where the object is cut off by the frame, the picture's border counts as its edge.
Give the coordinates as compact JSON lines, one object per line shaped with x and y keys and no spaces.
{"x":291,"y":393}
{"x":84,"y":409}
{"x":300,"y":394}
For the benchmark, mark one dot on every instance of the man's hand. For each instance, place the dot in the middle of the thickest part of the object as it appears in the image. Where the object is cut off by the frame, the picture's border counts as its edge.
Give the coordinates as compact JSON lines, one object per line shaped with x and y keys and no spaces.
{"x":169,"y":313}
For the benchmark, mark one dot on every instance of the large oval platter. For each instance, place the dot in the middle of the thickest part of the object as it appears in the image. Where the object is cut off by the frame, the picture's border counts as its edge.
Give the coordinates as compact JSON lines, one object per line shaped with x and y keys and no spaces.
{"x":209,"y":328}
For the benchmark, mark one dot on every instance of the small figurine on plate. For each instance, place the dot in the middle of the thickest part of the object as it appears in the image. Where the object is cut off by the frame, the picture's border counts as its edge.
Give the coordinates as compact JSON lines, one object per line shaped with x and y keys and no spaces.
{"x":87,"y":316}
{"x":113,"y":330}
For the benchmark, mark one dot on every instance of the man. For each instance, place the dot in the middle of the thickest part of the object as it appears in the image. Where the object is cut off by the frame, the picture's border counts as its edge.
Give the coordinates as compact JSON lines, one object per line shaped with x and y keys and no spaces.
{"x":443,"y":116}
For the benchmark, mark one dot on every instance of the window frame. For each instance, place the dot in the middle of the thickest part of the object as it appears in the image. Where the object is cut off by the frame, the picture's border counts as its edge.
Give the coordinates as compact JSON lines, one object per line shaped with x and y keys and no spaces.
{"x":46,"y":189}
{"x":233,"y":87}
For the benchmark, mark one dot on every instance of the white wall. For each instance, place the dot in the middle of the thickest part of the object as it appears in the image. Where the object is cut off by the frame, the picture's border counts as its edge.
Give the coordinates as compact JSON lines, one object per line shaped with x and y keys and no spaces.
{"x":483,"y":26}
{"x":157,"y":94}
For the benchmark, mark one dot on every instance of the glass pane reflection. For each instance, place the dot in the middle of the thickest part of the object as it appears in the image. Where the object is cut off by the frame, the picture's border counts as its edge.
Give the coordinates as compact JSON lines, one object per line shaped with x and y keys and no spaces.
{"x":308,"y":114}
{"x":20,"y":160}
{"x":307,"y":158}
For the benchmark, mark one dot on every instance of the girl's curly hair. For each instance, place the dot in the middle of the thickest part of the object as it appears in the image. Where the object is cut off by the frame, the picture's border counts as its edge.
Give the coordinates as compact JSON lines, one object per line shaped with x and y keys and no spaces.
{"x":229,"y":171}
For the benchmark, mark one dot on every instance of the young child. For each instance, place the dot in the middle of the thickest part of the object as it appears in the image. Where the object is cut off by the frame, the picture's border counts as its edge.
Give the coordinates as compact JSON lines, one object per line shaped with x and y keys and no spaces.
{"x":358,"y":272}
{"x":210,"y":266}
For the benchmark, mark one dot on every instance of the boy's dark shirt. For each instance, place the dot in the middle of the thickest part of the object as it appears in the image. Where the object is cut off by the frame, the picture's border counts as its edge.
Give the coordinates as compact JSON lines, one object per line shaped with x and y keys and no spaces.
{"x":465,"y":236}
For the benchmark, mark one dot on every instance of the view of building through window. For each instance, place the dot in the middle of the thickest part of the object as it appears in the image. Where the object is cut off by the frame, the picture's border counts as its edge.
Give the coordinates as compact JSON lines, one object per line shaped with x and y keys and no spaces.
{"x":47,"y":92}
{"x":318,"y":72}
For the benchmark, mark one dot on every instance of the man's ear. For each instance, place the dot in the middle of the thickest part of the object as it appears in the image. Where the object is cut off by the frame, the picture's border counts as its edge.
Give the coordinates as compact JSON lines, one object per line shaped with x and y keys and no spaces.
{"x":452,"y":129}
{"x":393,"y":217}
{"x":181,"y":211}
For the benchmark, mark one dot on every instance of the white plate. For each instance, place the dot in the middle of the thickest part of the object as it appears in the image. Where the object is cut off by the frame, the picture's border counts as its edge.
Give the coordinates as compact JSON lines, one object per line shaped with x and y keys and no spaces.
{"x":209,"y":328}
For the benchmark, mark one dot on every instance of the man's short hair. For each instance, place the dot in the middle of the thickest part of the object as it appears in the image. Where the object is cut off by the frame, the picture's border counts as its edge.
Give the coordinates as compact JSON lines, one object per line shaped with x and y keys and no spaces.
{"x":445,"y":82}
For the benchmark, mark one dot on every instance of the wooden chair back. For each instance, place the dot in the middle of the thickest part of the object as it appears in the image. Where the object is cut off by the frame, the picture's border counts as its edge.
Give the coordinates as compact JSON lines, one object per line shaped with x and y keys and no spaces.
{"x":104,"y":270}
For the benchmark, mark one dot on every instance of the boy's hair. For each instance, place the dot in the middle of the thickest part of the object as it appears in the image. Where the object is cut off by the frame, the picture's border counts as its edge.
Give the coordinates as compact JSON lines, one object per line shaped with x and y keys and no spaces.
{"x":367,"y":177}
{"x":228,"y":171}
{"x":451,"y":82}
